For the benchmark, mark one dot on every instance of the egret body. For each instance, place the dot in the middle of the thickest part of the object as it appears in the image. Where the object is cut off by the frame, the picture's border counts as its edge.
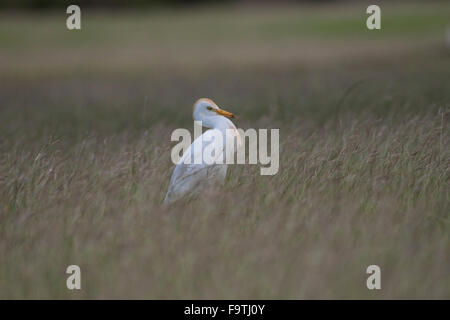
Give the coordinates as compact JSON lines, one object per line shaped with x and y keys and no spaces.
{"x":190,"y":177}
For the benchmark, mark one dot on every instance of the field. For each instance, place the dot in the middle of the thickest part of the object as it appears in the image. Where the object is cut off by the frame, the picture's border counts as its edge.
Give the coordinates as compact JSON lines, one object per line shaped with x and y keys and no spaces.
{"x":85,"y":124}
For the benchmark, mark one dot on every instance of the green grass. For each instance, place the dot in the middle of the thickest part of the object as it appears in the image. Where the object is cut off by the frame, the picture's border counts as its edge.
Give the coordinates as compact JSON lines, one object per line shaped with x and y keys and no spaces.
{"x":364,"y":150}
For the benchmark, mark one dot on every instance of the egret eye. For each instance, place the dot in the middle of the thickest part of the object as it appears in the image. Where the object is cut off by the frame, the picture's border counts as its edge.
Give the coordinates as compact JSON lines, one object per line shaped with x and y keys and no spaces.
{"x":209,"y":108}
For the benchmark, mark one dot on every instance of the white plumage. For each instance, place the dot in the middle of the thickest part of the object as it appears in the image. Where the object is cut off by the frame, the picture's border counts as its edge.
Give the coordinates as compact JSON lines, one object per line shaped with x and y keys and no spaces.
{"x":191,"y":178}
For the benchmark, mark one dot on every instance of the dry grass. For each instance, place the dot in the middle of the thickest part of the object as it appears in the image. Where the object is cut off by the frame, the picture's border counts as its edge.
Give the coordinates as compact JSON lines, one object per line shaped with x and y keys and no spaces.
{"x":364,"y":172}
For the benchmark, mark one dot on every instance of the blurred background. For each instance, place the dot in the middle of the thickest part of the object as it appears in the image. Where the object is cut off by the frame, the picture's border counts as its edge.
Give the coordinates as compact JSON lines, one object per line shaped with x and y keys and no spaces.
{"x":151,"y":48}
{"x":29,"y":4}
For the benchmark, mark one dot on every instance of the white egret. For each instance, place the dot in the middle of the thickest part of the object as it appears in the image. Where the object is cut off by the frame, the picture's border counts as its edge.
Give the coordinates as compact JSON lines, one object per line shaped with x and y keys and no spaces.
{"x":196,"y":174}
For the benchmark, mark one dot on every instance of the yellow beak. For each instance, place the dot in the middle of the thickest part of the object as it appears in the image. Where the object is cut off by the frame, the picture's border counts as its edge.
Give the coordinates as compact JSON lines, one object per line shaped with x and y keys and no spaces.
{"x":225,"y":113}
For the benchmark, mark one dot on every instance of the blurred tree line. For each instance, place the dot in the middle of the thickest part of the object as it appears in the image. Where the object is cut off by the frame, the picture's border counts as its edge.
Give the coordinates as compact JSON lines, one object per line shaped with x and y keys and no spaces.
{"x":43,"y":4}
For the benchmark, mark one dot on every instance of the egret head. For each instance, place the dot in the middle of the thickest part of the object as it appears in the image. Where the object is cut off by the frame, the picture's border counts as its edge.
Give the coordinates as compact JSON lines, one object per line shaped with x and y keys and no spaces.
{"x":205,"y":108}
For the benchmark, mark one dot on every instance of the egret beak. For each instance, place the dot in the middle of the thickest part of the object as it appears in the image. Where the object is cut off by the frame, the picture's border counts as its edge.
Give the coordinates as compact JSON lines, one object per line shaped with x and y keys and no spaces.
{"x":225,"y":113}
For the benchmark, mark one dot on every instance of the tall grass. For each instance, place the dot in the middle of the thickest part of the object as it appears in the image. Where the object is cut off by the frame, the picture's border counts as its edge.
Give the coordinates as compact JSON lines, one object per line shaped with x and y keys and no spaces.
{"x":363,"y":179}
